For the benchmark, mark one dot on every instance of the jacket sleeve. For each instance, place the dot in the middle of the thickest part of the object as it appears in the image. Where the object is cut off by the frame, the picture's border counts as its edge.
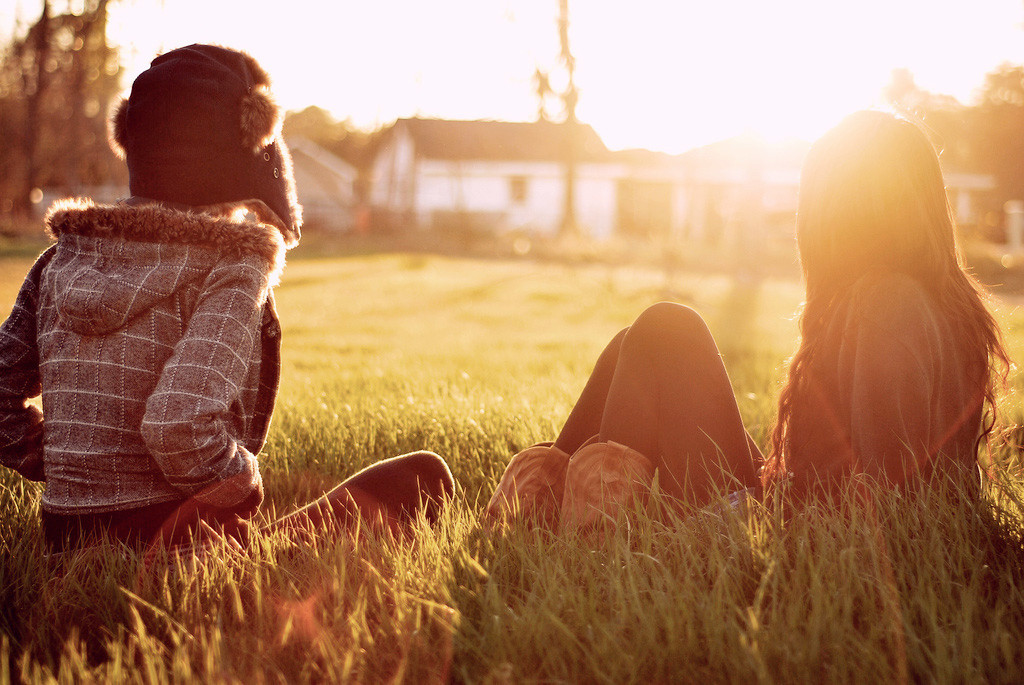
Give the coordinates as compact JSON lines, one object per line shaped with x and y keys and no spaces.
{"x":21,"y":424}
{"x":187,"y":423}
{"x":887,"y":364}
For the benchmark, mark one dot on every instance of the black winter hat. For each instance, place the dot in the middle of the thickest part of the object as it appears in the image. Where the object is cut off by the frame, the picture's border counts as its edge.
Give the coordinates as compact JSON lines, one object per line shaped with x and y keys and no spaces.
{"x":200,"y":128}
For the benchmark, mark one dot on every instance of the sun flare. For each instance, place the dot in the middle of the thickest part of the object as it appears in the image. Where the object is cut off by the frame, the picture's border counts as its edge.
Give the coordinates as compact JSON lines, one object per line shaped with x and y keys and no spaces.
{"x":666,"y":76}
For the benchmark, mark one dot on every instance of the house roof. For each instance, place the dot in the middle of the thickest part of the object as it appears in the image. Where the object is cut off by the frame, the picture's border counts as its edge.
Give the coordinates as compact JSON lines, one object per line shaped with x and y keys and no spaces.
{"x":500,"y":140}
{"x":325,"y":159}
{"x":323,"y":174}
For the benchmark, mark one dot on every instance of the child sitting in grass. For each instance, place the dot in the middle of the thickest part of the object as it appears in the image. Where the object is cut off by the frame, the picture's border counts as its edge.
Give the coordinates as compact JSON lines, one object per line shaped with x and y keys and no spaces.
{"x":898,"y":357}
{"x":149,"y":328}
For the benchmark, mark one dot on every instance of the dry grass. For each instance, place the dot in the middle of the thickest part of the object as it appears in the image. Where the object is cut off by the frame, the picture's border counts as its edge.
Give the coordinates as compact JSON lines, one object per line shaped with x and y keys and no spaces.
{"x":475,"y":360}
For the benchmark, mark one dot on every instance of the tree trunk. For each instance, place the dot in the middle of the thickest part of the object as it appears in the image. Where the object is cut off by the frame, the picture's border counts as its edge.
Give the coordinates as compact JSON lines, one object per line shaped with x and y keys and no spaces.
{"x":569,"y":226}
{"x":39,"y":41}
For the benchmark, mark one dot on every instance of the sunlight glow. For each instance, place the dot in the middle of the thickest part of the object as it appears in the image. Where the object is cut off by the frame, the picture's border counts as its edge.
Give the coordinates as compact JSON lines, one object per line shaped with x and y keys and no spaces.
{"x":666,"y":76}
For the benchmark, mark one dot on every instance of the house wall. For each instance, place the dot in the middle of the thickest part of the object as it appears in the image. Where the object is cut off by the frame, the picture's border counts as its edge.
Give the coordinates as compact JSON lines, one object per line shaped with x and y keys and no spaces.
{"x":682,"y":201}
{"x":324,"y":185}
{"x":488,"y":189}
{"x":596,"y":199}
{"x":392,"y":175}
{"x":326,"y":201}
{"x":721,"y":201}
{"x":708,"y":207}
{"x":964,"y":190}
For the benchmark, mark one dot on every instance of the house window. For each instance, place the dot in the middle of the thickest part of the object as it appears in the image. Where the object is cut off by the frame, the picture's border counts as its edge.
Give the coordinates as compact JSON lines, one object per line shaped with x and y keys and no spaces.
{"x":517,"y":189}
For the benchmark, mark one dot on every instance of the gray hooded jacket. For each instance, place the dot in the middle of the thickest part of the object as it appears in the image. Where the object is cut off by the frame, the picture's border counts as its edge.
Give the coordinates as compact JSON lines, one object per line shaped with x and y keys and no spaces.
{"x":151,"y":335}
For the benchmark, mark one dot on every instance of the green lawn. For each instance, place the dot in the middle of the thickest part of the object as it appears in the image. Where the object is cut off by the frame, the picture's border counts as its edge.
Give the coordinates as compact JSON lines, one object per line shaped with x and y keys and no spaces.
{"x":475,"y":359}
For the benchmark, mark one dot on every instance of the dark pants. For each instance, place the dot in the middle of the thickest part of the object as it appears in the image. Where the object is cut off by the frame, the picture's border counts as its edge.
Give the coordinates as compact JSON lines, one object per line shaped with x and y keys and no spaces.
{"x":660,"y":387}
{"x":394,"y":491}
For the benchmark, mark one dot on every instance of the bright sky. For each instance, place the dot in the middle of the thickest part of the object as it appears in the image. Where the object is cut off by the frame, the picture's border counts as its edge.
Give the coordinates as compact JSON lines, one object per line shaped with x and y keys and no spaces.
{"x":661,"y":74}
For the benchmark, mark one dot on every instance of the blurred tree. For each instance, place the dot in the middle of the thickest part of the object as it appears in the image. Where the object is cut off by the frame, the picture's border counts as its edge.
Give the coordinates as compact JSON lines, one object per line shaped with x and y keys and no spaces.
{"x":56,"y":84}
{"x":23,"y":83}
{"x":947,"y":121}
{"x":901,"y":91}
{"x":998,"y":129}
{"x":542,"y":87}
{"x":987,"y":137}
{"x":1004,"y":86}
{"x":339,"y":137}
{"x":570,"y":96}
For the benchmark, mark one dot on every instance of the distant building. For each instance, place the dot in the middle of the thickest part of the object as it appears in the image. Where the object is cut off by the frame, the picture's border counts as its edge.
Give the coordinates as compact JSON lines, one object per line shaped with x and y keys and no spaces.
{"x":499,"y":176}
{"x":507,"y":176}
{"x":741,"y":188}
{"x":510,"y":176}
{"x":325,"y":185}
{"x":965,"y":193}
{"x":743,"y":182}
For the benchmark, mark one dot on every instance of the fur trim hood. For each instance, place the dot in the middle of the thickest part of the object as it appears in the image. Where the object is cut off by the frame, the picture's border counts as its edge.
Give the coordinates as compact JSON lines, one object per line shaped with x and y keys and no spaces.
{"x":157,"y":223}
{"x":114,"y":262}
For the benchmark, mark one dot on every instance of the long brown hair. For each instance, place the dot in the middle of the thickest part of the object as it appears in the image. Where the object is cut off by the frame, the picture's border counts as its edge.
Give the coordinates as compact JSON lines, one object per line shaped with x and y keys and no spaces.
{"x":872,"y":198}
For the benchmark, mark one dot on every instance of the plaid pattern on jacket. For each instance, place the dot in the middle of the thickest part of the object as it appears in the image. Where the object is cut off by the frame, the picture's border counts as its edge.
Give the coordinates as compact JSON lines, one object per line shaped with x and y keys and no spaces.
{"x":151,"y":335}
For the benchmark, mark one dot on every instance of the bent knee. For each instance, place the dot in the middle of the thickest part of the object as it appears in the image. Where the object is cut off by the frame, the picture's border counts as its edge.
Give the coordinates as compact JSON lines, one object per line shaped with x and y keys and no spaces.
{"x":431,"y":471}
{"x":669,"y":321}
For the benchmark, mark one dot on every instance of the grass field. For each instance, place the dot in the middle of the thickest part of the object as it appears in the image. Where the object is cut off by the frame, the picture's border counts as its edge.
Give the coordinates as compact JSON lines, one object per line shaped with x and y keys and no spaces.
{"x":475,"y":359}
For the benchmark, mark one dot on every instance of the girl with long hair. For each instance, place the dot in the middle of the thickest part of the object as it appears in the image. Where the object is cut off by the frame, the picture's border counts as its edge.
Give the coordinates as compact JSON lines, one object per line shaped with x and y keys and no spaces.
{"x":897,"y":365}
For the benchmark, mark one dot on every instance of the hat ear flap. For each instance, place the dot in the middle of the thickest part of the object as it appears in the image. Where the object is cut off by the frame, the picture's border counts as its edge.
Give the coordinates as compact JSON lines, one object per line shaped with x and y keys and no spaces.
{"x":259,"y":119}
{"x":118,"y":129}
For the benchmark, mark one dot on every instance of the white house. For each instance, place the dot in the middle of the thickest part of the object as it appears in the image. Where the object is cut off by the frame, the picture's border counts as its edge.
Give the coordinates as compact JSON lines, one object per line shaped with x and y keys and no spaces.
{"x":506,"y":175}
{"x":325,"y":185}
{"x":510,"y":176}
